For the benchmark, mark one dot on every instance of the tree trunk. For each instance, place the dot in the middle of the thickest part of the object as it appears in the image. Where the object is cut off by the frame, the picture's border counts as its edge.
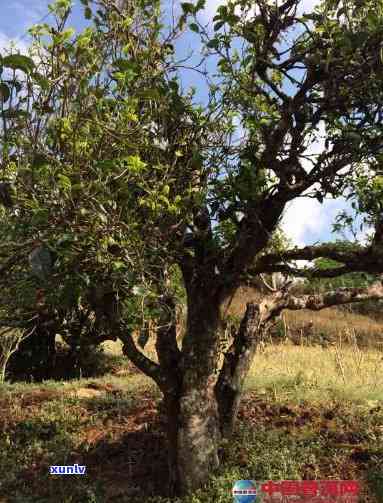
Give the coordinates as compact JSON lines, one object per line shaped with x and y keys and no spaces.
{"x":236,"y":365}
{"x":198,"y":438}
{"x":198,"y":427}
{"x":193,"y":436}
{"x":198,"y":409}
{"x":171,"y":403}
{"x":210,"y":398}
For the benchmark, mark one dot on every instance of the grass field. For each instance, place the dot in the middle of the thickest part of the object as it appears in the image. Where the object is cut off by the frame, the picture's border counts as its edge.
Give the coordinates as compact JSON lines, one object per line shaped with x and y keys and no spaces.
{"x":302,"y":418}
{"x":311,"y":411}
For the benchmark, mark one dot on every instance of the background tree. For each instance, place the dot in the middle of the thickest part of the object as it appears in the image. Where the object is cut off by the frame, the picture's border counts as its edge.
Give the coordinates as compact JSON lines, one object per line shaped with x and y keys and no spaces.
{"x":130,"y":183}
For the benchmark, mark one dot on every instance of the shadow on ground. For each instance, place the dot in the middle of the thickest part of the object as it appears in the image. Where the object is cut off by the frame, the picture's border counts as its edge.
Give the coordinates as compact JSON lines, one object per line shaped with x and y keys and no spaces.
{"x":120,"y":438}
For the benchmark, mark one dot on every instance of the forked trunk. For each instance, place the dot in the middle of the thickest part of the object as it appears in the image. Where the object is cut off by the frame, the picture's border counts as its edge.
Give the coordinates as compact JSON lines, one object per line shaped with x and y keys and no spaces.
{"x":205,"y":404}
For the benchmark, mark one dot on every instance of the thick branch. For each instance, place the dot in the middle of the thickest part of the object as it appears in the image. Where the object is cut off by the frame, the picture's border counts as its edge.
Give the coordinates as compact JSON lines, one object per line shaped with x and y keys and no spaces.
{"x":253,"y":235}
{"x":347,"y":257}
{"x":237,"y":361}
{"x":166,"y":345}
{"x":284,"y":300}
{"x":142,"y":362}
{"x":299,"y":273}
{"x":337,"y":297}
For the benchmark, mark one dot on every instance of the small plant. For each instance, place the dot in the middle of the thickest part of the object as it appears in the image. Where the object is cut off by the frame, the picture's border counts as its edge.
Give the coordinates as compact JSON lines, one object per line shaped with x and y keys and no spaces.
{"x":10,"y":340}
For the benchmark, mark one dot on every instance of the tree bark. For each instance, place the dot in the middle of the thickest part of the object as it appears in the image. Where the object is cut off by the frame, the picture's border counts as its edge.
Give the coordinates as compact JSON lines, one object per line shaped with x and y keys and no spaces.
{"x":202,"y":401}
{"x":236,"y":365}
{"x":193,"y":438}
{"x":199,"y":432}
{"x":171,"y":403}
{"x":198,"y":438}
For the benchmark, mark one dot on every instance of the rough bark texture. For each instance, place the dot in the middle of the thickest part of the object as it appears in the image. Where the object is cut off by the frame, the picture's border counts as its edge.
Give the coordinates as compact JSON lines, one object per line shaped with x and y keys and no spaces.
{"x":199,"y":430}
{"x":168,"y":355}
{"x":171,"y":404}
{"x":198,"y":438}
{"x":237,"y":362}
{"x":201,"y":402}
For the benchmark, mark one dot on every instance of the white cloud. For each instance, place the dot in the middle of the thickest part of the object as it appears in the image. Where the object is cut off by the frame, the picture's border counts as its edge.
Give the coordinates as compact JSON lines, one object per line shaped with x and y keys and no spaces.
{"x":6,"y":43}
{"x":307,"y":6}
{"x":301,"y":216}
{"x":306,"y":220}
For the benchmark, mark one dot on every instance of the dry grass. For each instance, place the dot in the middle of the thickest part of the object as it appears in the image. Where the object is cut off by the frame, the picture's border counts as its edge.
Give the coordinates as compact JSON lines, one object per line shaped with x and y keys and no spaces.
{"x":313,"y":372}
{"x":333,"y":323}
{"x":349,"y":365}
{"x":337,"y":325}
{"x":311,"y":412}
{"x":348,"y":362}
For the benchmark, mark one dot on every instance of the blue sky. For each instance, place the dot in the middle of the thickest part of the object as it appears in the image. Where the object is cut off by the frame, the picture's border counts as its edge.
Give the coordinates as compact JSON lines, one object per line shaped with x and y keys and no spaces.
{"x":306,"y":221}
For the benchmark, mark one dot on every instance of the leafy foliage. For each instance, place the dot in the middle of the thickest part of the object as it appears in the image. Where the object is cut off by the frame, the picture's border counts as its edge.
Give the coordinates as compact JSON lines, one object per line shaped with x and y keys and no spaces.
{"x":121,"y":196}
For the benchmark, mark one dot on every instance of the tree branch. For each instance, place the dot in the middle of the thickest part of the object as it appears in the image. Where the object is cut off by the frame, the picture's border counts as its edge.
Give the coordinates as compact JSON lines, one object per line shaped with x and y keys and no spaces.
{"x":237,"y":361}
{"x":142,"y":362}
{"x":347,"y":257}
{"x":283,"y":300}
{"x":337,"y":297}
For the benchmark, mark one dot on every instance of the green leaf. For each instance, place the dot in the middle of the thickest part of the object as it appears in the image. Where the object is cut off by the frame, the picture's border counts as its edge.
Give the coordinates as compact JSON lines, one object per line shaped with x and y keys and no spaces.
{"x":173,"y":84}
{"x":124,"y":65}
{"x":135,"y":164}
{"x":39,"y":161}
{"x":67,"y":34}
{"x":312,"y":17}
{"x":149,"y":94}
{"x":117,"y":265}
{"x":218,"y":25}
{"x":64,"y":182}
{"x":14,"y":114}
{"x":138,"y":290}
{"x":213,"y":44}
{"x":182,"y":22}
{"x":41,"y":81}
{"x":5,"y":93}
{"x":106,"y":165}
{"x":65,"y":239}
{"x":187,"y":7}
{"x":19,"y":62}
{"x":194,"y":27}
{"x":88,"y":13}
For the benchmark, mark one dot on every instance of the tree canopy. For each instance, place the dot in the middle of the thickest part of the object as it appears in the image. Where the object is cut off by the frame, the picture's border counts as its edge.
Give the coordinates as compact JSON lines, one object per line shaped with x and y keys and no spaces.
{"x":121,"y":194}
